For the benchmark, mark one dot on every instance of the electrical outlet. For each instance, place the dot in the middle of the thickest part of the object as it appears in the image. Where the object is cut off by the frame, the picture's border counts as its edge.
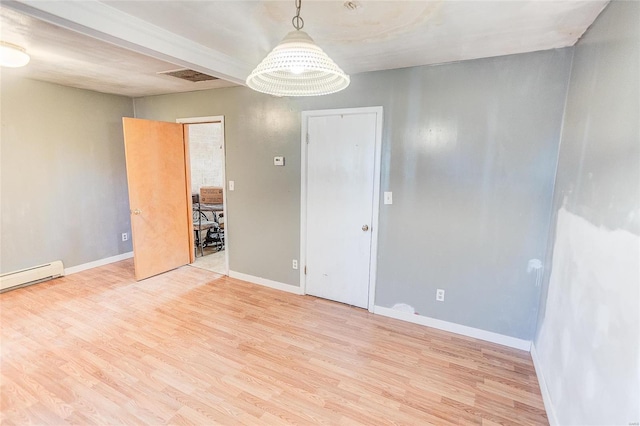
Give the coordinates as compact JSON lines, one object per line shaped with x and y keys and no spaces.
{"x":440,"y":295}
{"x":125,"y":236}
{"x":294,"y":264}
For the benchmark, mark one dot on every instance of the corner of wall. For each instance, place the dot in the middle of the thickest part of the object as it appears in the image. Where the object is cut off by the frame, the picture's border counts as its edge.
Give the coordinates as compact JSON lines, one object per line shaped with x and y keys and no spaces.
{"x":551,"y":225}
{"x":544,"y":390}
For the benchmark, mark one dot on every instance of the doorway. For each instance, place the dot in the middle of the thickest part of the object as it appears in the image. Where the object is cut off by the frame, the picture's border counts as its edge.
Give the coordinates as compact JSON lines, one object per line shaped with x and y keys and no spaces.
{"x":206,"y":167}
{"x":339,"y":203}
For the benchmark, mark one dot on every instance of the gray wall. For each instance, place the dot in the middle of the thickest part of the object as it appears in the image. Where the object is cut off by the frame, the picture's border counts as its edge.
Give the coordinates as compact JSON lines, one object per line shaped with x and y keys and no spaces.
{"x":63,"y":178}
{"x":469,"y":150}
{"x":588,"y":338}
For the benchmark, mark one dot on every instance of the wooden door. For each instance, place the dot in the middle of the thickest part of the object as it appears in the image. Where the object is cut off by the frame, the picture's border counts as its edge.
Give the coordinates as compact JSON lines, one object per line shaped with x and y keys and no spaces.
{"x":159,"y":198}
{"x":340,"y":167}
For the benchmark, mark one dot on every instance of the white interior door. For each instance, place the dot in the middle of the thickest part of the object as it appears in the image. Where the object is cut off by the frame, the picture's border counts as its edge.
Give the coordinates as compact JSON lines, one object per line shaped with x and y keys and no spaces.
{"x":342,"y":181}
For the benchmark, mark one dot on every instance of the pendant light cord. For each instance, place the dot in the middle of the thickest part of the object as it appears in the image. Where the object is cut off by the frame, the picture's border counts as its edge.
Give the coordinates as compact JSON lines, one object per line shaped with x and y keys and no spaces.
{"x":297,"y":21}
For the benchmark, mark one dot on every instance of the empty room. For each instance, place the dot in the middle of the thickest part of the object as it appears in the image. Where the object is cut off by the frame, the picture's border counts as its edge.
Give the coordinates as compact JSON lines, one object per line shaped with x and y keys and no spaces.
{"x":320,"y":212}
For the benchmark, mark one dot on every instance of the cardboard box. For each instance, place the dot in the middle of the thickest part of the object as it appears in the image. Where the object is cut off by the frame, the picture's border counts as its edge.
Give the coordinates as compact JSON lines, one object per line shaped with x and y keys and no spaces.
{"x":211,"y":195}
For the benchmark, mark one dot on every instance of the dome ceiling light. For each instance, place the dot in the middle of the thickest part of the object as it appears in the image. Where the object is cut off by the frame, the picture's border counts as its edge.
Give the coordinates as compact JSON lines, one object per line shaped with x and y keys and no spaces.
{"x":297,"y":67}
{"x":12,"y":56}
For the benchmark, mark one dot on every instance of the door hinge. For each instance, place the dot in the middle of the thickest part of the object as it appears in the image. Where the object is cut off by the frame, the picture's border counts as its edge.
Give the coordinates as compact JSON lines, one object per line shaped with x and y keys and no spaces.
{"x":307,"y":137}
{"x":305,"y":270}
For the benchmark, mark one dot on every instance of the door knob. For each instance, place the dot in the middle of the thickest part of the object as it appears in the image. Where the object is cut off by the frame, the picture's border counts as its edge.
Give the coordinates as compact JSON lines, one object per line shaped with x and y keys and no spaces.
{"x":365,"y":228}
{"x":137,"y":211}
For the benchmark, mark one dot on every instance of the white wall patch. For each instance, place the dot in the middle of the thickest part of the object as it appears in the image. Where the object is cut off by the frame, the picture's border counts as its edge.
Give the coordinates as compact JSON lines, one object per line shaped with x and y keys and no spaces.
{"x":403,"y":307}
{"x":590,"y":333}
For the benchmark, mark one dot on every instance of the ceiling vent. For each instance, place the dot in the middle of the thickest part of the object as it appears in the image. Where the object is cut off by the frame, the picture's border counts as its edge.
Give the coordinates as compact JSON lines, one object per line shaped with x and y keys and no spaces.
{"x":189,"y":75}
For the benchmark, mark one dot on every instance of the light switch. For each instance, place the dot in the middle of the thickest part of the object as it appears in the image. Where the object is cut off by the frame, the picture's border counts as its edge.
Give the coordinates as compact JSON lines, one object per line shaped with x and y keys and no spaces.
{"x":231,"y":185}
{"x":388,"y":197}
{"x":278,"y":161}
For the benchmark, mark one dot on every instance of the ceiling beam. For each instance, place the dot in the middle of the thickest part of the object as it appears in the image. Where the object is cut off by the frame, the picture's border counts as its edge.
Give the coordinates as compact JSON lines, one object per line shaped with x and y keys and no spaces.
{"x":103,"y":22}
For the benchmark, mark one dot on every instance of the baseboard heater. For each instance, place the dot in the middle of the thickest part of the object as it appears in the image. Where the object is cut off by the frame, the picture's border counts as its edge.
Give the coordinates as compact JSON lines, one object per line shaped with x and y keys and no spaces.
{"x":31,"y":275}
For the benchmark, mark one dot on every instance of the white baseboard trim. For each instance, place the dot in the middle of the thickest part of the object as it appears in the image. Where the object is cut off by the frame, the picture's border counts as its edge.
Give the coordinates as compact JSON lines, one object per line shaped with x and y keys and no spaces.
{"x":489,"y":336}
{"x":546,"y":396}
{"x":265,"y":282}
{"x":95,"y":264}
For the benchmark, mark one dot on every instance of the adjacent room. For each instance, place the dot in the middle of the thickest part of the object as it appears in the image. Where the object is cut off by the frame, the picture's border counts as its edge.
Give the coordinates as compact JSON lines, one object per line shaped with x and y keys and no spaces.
{"x":320,"y":212}
{"x":206,"y":165}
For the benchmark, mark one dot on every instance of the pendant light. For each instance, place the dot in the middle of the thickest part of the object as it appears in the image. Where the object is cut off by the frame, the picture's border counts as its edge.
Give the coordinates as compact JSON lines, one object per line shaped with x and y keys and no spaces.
{"x":297,"y":67}
{"x":12,"y":56}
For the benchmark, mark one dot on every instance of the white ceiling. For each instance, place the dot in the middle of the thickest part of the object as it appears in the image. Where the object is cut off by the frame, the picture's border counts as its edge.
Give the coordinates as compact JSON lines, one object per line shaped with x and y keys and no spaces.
{"x":120,"y":46}
{"x":72,"y":59}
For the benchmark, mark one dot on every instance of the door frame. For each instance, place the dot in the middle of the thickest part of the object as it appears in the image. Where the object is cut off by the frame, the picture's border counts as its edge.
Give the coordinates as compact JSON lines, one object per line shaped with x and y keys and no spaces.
{"x":373,"y":256}
{"x":202,"y":120}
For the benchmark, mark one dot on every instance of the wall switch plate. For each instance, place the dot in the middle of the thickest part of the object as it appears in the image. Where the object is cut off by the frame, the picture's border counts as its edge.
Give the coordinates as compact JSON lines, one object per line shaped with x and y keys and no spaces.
{"x":231,"y":185}
{"x":278,"y":161}
{"x":294,"y":264}
{"x":125,"y":236}
{"x":440,"y":295}
{"x":388,"y":197}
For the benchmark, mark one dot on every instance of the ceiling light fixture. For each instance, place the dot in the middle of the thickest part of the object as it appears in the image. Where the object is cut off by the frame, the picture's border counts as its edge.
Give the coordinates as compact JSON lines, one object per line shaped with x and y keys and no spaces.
{"x":297,"y":67}
{"x":12,"y":56}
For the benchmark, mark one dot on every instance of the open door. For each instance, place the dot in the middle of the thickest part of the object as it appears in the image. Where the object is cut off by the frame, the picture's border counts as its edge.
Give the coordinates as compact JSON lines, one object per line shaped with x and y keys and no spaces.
{"x":158,"y":197}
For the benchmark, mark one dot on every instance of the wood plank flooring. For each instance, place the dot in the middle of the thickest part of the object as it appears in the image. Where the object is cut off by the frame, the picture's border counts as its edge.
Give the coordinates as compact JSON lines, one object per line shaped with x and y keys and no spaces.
{"x":191,"y":347}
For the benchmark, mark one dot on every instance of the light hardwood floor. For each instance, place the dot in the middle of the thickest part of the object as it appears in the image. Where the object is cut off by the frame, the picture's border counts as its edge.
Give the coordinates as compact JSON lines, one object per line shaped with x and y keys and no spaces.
{"x":191,"y":347}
